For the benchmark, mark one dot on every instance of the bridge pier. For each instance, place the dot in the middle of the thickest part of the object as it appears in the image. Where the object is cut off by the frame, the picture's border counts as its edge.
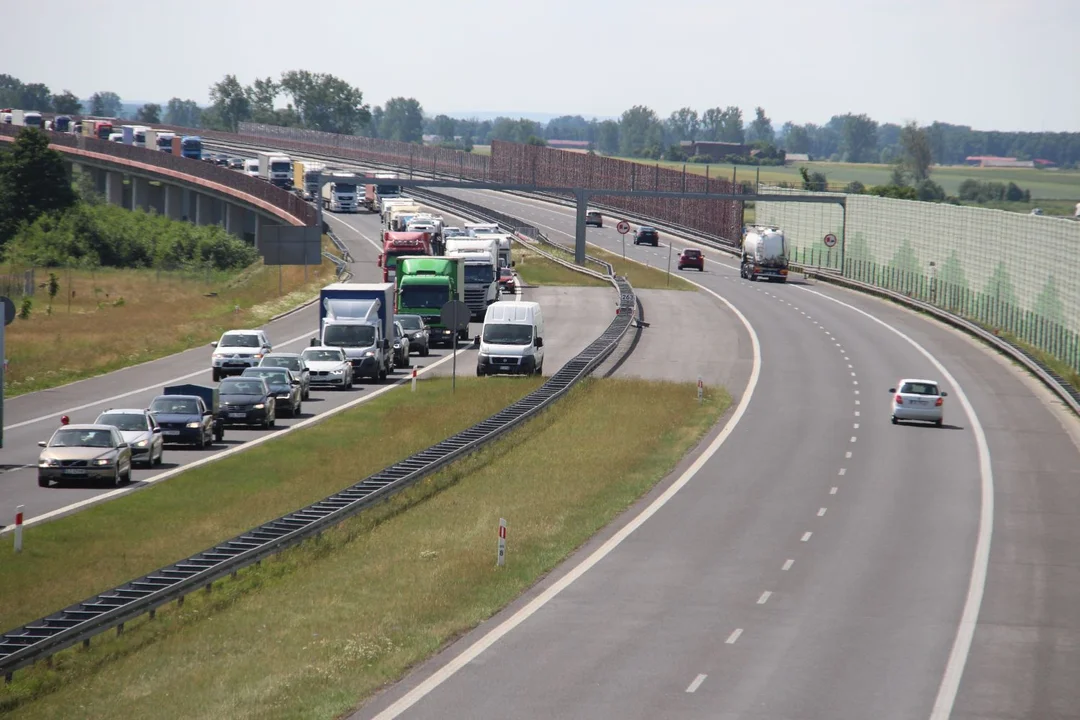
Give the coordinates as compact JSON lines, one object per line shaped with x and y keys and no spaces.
{"x":140,"y":193}
{"x":202,"y":209}
{"x":234,"y":219}
{"x":174,"y":202}
{"x":114,"y":188}
{"x":156,"y":198}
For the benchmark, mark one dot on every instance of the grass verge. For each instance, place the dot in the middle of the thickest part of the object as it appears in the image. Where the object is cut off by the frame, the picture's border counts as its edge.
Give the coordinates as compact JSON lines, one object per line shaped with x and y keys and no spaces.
{"x":338,"y":618}
{"x":105,"y":319}
{"x":535,"y":269}
{"x":646,"y":277}
{"x":73,"y":557}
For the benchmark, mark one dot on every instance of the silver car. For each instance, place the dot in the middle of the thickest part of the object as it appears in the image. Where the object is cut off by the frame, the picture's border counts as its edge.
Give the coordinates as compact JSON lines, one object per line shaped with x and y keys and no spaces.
{"x":294,"y":362}
{"x":915,"y":399}
{"x":85,"y":452}
{"x":140,"y":430}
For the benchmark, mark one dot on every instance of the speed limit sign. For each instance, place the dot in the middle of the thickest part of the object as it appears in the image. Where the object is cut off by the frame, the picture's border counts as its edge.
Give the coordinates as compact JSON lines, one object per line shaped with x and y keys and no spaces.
{"x":830,"y":240}
{"x":623,"y":227}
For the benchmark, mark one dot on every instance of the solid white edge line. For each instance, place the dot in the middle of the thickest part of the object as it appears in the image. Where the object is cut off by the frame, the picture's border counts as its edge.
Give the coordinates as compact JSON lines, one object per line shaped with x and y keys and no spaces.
{"x":965,"y":631}
{"x":68,"y":509}
{"x":492,"y":636}
{"x":104,"y":401}
{"x":697,"y":683}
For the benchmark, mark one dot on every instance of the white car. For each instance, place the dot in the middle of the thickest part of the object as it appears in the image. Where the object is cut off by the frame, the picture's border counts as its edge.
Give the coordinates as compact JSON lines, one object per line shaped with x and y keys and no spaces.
{"x":238,"y":350}
{"x":921,"y":400}
{"x":139,"y":430}
{"x":328,"y":366}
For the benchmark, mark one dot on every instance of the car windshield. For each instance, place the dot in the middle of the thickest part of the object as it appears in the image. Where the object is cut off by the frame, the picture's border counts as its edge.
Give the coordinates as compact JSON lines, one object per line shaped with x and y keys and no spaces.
{"x":505,"y":334}
{"x":174,"y":406}
{"x":130,"y":422}
{"x":239,"y":340}
{"x":424,"y":296}
{"x":410,"y":322}
{"x":323,"y":355}
{"x":240,"y":387}
{"x":916,"y":388}
{"x":506,"y":272}
{"x":72,"y":437}
{"x":272,"y":375}
{"x":291,"y":363}
{"x":349,"y":335}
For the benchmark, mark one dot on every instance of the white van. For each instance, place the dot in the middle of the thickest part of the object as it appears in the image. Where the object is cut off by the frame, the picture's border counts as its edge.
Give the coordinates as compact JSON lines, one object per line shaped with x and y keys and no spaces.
{"x":512,"y":341}
{"x":251,"y":168}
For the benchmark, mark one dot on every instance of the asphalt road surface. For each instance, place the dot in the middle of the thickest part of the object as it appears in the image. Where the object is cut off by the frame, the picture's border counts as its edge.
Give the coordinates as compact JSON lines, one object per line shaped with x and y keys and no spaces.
{"x":35,"y":416}
{"x":819,"y":562}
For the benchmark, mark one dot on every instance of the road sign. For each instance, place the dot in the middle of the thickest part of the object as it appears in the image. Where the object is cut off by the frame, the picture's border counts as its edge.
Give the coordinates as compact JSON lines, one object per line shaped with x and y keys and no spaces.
{"x":455,"y":315}
{"x":623,"y":227}
{"x":830,"y":240}
{"x":9,"y":310}
{"x":501,"y":559}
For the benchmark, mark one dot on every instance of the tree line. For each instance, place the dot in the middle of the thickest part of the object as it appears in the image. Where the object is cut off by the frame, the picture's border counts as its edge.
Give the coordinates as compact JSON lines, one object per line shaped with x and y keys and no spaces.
{"x":321,"y":101}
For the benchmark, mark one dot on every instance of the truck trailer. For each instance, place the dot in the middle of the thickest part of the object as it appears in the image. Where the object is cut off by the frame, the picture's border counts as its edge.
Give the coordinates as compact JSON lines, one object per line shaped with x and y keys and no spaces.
{"x":275,"y":168}
{"x":424,"y":285}
{"x":764,"y":255}
{"x":357,"y":318}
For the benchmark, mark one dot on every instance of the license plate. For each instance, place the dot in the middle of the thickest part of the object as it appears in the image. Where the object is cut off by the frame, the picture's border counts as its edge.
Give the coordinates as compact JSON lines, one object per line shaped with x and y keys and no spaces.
{"x":74,"y":471}
{"x":237,"y":415}
{"x":504,"y":367}
{"x":170,"y":432}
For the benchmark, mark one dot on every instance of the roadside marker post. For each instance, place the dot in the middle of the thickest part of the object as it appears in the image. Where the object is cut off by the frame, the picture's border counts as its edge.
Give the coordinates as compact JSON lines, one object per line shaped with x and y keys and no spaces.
{"x":700,"y":389}
{"x":414,"y":379}
{"x":18,"y":528}
{"x":502,"y":543}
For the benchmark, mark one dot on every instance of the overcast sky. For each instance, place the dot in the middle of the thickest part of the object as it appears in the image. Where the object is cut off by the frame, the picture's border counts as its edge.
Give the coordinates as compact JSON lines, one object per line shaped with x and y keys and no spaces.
{"x":990,"y":64}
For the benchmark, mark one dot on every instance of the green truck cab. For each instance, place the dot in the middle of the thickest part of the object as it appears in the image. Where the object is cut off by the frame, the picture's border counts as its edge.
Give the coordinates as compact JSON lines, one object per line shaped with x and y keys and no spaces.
{"x":424,"y":285}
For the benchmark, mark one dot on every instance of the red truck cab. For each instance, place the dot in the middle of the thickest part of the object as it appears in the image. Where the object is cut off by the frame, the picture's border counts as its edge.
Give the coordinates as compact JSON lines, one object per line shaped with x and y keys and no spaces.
{"x":396,"y":244}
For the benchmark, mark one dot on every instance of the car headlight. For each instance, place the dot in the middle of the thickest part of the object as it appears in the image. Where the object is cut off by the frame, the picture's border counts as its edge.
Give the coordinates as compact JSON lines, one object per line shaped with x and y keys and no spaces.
{"x":417,"y":335}
{"x":483,"y":356}
{"x":368,"y":353}
{"x":141,"y":443}
{"x":101,"y":462}
{"x":260,"y":406}
{"x":49,"y":462}
{"x":194,"y":425}
{"x":218,"y":356}
{"x":339,"y":371}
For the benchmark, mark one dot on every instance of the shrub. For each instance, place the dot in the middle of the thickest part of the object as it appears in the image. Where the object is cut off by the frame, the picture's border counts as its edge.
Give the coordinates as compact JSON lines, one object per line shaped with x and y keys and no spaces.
{"x":899,"y":192}
{"x":108,"y":236}
{"x":855,"y":188}
{"x":929,"y":191}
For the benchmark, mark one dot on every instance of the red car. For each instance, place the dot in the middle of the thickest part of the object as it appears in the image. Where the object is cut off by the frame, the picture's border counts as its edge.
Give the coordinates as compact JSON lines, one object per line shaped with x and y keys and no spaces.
{"x":692,"y":259}
{"x":506,"y":279}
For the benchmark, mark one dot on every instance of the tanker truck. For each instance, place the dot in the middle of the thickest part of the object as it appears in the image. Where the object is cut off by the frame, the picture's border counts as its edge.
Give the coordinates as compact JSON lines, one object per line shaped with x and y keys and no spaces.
{"x":764,"y":255}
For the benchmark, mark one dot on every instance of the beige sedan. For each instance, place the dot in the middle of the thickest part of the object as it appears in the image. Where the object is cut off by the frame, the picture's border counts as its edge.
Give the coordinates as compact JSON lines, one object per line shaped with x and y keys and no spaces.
{"x":85,"y":452}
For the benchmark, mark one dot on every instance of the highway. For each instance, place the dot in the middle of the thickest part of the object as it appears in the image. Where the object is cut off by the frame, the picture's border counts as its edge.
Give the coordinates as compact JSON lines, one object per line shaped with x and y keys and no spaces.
{"x":816,"y":562}
{"x":35,"y":416}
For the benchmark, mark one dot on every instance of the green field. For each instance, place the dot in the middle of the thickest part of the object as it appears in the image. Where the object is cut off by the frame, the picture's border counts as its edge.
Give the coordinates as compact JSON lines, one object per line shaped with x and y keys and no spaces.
{"x":1043,"y":184}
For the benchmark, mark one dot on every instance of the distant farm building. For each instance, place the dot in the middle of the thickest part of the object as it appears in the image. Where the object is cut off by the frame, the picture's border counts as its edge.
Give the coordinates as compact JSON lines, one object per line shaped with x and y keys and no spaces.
{"x":580,"y":145}
{"x":715,"y":150}
{"x":791,"y":158}
{"x":993,"y":161}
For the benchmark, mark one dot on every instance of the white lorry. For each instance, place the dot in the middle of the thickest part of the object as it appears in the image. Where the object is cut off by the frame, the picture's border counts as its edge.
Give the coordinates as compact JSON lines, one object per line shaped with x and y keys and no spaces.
{"x":481,"y":259}
{"x":512,"y":340}
{"x":764,"y":254}
{"x":275,"y":168}
{"x":340,"y":195}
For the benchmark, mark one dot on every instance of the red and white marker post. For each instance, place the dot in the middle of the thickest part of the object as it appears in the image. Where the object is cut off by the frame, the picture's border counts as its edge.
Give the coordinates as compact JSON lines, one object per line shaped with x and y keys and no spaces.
{"x":414,"y":379}
{"x":700,"y":389}
{"x":502,"y":543}
{"x":18,"y":528}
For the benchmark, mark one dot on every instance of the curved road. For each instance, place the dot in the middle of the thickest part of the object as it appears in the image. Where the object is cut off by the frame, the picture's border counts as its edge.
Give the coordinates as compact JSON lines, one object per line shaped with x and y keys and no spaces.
{"x":818,"y":562}
{"x":35,"y":416}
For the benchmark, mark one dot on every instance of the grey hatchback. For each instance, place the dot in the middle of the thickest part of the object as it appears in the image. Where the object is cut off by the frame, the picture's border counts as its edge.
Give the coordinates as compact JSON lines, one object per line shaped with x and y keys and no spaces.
{"x":294,"y":362}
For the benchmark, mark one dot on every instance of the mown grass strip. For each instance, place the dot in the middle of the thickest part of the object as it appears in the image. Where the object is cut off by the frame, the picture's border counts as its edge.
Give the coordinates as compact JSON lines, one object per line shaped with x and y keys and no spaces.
{"x":117,"y":318}
{"x":535,"y":269}
{"x":71,"y":558}
{"x":645,"y":277}
{"x":337,"y":618}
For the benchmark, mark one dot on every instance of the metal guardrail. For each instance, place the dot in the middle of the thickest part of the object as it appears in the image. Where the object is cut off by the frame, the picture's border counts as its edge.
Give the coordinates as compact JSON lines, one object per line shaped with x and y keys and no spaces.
{"x":43,"y":638}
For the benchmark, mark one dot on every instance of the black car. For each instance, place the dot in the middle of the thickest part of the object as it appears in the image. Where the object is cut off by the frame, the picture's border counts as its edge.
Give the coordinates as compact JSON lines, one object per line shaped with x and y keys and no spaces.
{"x":246,"y":401}
{"x":417,"y":330}
{"x":236,"y":163}
{"x":221,"y":159}
{"x":285,"y":386}
{"x":647,"y":236}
